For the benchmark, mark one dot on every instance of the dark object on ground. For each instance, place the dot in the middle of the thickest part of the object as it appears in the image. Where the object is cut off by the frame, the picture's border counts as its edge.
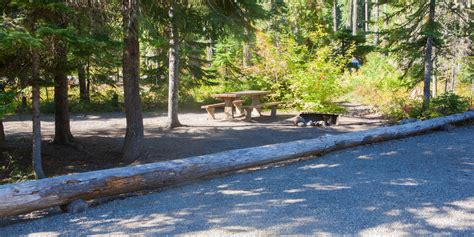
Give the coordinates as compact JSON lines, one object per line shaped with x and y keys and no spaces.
{"x":328,"y":119}
{"x":75,"y":206}
{"x":447,"y":127}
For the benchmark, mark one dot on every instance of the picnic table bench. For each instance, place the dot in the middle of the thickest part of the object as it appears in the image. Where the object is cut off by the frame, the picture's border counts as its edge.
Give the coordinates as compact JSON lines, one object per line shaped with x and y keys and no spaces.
{"x":272,"y":105}
{"x":212,"y":107}
{"x":233,"y":99}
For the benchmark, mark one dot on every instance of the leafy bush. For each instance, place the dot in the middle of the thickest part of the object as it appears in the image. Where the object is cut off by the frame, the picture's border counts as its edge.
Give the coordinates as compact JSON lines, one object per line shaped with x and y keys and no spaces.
{"x":6,"y":103}
{"x":316,"y":86}
{"x":446,"y":104}
{"x":378,"y":83}
{"x":14,"y":168}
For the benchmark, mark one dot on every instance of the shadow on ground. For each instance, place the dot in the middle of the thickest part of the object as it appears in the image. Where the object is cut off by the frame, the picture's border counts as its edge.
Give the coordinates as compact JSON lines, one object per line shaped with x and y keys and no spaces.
{"x":420,"y":185}
{"x":102,"y":136}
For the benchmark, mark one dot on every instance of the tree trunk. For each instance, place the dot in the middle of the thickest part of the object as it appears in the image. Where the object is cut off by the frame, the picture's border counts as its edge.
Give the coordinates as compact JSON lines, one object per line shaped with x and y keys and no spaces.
{"x":88,"y":80}
{"x":350,"y":13}
{"x":435,"y":81}
{"x":246,"y":49}
{"x":334,"y":16}
{"x":2,"y":133}
{"x":428,"y":60}
{"x":83,"y":93}
{"x":133,"y":144}
{"x":376,"y":25}
{"x":35,"y":89}
{"x":173,"y":77}
{"x":456,"y":68}
{"x":209,"y":51}
{"x":366,"y":16}
{"x":385,"y":27}
{"x":34,"y":195}
{"x":62,"y":129}
{"x":354,"y":17}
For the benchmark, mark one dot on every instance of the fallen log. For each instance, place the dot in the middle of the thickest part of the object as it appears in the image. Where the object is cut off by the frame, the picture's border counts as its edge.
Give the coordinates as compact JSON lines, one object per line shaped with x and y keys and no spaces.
{"x":39,"y":194}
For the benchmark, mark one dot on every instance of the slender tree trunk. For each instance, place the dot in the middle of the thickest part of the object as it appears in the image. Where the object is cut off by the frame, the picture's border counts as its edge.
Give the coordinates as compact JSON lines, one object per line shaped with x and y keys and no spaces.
{"x":428,"y":60}
{"x":246,"y":49}
{"x":81,"y":74}
{"x":446,"y":85}
{"x":62,"y":129}
{"x":88,"y":81}
{"x":453,"y":76}
{"x":334,"y":15}
{"x":354,"y":17}
{"x":376,"y":25}
{"x":173,"y":77}
{"x":385,"y":27}
{"x":37,"y":164}
{"x":366,"y":16}
{"x":133,"y":144}
{"x":351,"y":13}
{"x":2,"y":133}
{"x":435,"y":81}
{"x":209,"y":51}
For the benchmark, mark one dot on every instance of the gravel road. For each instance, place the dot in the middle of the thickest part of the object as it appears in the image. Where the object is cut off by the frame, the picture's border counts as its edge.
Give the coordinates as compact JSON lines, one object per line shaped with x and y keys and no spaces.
{"x":419,"y":185}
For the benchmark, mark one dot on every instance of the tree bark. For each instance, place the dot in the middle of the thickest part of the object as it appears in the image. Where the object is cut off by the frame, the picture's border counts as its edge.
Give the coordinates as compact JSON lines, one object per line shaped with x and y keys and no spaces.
{"x":34,"y":195}
{"x":376,"y":25}
{"x":456,"y":69}
{"x":2,"y":133}
{"x":83,"y":93}
{"x":62,"y":128}
{"x":88,"y":80}
{"x":173,"y":76}
{"x":246,"y":59}
{"x":435,"y":81}
{"x":350,"y":13}
{"x":133,"y":144}
{"x":334,"y":16}
{"x":35,"y":89}
{"x":428,"y":64}
{"x":366,"y":16}
{"x":354,"y":17}
{"x":209,"y":51}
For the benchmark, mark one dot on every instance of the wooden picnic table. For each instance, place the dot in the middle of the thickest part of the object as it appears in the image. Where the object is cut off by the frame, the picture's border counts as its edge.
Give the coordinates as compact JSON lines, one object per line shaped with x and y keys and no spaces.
{"x":229,"y":97}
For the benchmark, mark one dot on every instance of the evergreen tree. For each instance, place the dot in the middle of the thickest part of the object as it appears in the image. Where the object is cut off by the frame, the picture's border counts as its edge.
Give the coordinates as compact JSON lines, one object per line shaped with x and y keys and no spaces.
{"x":134,"y":136}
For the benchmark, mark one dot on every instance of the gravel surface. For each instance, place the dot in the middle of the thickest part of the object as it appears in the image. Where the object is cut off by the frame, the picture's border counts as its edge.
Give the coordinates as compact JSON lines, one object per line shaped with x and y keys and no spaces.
{"x":103,"y":134}
{"x":420,"y":185}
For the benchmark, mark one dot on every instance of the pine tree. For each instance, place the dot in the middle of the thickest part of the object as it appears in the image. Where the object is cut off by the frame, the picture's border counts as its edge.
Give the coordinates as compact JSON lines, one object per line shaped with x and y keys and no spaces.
{"x":134,"y":134}
{"x":414,"y":38}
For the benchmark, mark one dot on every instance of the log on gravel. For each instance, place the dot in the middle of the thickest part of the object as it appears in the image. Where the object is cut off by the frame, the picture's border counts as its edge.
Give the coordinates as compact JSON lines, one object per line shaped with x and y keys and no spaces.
{"x":40,"y":194}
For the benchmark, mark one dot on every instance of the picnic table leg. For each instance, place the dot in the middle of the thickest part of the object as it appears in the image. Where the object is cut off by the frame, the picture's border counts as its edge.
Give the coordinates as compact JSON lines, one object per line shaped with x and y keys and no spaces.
{"x":238,"y":107}
{"x":228,"y":109}
{"x":256,"y":101}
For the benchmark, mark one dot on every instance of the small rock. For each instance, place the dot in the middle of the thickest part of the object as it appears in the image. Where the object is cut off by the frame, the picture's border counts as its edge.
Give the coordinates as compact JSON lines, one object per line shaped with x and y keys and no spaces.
{"x":309,"y":123}
{"x":75,"y":206}
{"x":301,"y":124}
{"x":319,"y":123}
{"x":298,"y":119}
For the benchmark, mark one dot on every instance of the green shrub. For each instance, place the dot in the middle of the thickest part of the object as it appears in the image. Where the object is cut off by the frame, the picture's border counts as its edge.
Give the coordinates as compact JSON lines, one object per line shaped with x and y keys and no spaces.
{"x":6,"y":103}
{"x":446,"y":104}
